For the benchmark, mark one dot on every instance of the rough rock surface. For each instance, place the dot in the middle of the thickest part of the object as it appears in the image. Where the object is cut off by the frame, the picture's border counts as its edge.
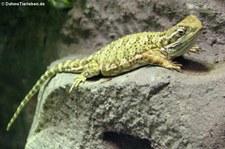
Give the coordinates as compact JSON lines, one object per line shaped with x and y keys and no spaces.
{"x":153,"y":103}
{"x":168,"y":108}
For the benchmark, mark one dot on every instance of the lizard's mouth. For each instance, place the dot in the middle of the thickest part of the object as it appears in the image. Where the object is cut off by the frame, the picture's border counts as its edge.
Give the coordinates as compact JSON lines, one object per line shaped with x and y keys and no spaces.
{"x":183,"y":44}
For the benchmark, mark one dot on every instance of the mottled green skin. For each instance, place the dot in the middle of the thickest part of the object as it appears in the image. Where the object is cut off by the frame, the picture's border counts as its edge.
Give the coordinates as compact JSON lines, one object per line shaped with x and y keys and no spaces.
{"x":127,"y":53}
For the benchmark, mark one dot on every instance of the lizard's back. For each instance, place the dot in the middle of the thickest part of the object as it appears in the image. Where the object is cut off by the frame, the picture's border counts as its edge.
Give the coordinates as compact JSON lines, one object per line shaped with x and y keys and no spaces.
{"x":124,"y":54}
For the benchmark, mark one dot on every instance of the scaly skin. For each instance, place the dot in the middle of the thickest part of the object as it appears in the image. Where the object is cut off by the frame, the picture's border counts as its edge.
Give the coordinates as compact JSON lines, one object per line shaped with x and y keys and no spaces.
{"x":127,"y":53}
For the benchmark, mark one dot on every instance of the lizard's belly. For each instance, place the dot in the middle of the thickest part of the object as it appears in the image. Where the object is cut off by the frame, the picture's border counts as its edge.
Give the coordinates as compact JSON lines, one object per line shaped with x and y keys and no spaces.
{"x":121,"y":66}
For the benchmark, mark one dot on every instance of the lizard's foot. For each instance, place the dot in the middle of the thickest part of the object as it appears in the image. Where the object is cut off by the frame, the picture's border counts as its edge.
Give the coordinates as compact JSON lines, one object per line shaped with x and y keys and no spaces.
{"x":79,"y":79}
{"x":195,"y":49}
{"x":173,"y":65}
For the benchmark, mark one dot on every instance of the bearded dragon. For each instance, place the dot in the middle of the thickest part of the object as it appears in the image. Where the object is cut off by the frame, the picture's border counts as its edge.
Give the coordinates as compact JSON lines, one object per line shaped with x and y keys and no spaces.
{"x":126,"y":54}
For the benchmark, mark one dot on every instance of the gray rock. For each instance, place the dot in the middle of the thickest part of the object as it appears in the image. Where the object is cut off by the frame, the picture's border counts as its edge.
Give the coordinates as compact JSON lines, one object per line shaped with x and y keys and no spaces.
{"x":172,"y":109}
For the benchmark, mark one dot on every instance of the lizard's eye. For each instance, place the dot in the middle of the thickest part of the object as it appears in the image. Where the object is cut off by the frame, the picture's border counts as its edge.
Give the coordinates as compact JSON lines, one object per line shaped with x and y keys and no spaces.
{"x":181,"y":31}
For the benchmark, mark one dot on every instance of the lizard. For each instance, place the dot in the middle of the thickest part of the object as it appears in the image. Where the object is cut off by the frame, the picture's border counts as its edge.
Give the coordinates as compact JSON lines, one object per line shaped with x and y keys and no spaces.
{"x":125,"y":54}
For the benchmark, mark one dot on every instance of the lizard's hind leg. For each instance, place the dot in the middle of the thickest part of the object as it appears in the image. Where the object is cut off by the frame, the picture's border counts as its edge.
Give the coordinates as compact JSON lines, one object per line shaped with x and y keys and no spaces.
{"x":89,"y":70}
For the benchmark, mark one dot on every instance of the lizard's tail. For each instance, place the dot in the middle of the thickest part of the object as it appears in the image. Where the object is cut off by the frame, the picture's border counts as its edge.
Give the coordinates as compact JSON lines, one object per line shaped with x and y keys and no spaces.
{"x":48,"y":74}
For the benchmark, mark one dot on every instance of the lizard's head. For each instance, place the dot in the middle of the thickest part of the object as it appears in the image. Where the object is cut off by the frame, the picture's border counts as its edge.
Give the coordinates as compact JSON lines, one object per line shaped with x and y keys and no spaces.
{"x":182,"y":36}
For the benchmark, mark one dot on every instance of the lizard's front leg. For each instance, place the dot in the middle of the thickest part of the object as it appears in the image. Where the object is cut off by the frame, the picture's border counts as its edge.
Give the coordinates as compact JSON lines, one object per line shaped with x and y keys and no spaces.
{"x":89,"y":70}
{"x":159,"y":58}
{"x":195,"y":49}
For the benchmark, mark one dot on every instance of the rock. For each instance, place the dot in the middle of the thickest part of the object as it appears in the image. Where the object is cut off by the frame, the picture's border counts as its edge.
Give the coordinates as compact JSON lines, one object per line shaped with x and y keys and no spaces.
{"x":170,"y":109}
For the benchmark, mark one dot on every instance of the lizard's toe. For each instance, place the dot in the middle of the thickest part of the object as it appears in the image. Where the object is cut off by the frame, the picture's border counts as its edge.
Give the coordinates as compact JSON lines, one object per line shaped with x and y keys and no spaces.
{"x":77,"y":81}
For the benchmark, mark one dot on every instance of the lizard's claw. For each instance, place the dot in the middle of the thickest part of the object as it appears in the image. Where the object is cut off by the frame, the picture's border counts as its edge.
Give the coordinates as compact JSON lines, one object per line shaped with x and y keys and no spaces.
{"x":195,"y":49}
{"x":79,"y":79}
{"x":175,"y":66}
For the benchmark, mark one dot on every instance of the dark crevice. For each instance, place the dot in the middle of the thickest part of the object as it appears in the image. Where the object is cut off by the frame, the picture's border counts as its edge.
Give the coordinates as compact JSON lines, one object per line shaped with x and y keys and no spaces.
{"x":192,"y":65}
{"x":156,"y":89}
{"x":125,"y":141}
